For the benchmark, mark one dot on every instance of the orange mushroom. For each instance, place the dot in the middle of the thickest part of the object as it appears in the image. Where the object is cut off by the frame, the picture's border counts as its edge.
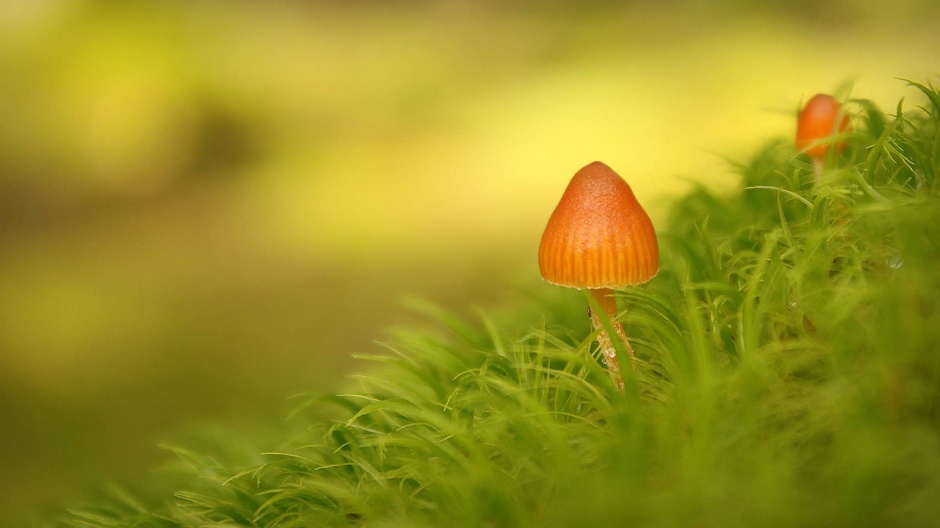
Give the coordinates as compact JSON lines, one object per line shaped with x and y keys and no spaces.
{"x":600,"y":238}
{"x":815,"y":123}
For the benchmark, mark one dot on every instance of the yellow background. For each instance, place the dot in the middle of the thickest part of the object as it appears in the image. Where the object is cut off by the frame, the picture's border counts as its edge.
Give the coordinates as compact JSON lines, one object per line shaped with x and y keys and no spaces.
{"x":206,"y":207}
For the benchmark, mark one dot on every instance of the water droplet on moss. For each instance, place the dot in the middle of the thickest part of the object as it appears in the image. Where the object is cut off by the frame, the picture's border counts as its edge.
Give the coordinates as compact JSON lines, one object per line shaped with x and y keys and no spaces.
{"x":894,"y":261}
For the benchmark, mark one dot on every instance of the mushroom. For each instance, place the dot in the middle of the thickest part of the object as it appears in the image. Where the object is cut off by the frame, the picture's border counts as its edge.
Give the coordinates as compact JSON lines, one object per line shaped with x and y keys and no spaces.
{"x":600,"y":238}
{"x":815,"y":123}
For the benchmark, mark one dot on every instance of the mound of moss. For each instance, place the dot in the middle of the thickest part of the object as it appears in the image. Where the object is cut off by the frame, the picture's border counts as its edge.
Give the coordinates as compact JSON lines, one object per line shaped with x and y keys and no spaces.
{"x":788,"y":374}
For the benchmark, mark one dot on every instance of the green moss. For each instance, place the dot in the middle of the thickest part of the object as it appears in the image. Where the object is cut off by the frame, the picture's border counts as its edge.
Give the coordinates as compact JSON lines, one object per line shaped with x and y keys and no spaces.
{"x":788,"y":374}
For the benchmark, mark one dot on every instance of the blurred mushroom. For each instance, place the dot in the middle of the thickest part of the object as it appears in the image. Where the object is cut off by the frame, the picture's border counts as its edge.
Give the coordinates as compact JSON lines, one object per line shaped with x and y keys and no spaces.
{"x":815,"y":123}
{"x":600,"y":238}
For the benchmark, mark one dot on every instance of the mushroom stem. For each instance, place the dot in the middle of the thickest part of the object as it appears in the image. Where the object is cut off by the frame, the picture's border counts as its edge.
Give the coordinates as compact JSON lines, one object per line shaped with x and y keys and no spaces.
{"x":818,"y":165}
{"x":608,"y":303}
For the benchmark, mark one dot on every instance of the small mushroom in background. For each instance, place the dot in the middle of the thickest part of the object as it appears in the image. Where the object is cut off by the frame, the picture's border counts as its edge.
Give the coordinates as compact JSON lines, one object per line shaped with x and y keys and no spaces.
{"x":816,"y":122}
{"x":600,"y":238}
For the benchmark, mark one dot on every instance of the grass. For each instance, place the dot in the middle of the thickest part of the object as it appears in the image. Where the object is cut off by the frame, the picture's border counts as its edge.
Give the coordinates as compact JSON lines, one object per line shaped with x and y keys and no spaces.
{"x":788,"y":375}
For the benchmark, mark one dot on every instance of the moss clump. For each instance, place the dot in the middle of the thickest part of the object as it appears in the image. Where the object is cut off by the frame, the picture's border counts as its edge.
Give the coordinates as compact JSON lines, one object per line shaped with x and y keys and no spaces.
{"x":788,"y":374}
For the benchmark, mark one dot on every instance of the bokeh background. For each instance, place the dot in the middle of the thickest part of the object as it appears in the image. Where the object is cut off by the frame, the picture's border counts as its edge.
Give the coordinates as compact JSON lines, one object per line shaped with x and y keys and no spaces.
{"x":206,"y":207}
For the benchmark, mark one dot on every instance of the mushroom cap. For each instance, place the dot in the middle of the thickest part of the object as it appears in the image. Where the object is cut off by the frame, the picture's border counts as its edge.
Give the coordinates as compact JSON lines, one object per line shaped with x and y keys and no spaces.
{"x":817,"y":121}
{"x":599,"y":236}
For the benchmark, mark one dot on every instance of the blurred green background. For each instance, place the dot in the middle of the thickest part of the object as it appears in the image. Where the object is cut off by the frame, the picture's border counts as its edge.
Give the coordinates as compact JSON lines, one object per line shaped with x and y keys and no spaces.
{"x":206,"y":207}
